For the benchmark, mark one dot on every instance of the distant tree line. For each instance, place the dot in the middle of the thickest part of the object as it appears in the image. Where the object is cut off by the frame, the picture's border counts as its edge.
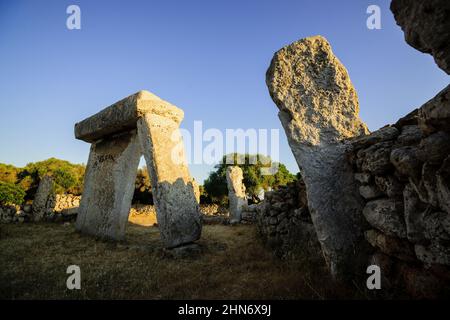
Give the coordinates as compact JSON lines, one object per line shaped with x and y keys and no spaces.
{"x":18,"y":185}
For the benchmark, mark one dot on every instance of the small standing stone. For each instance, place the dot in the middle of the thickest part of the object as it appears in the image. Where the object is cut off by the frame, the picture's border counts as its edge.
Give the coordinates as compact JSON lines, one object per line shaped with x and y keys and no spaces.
{"x":236,"y":193}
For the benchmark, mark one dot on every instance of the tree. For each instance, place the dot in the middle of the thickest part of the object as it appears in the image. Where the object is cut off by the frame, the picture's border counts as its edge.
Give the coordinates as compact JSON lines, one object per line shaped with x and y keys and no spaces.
{"x":142,"y":187}
{"x":11,"y":194}
{"x":216,"y":184}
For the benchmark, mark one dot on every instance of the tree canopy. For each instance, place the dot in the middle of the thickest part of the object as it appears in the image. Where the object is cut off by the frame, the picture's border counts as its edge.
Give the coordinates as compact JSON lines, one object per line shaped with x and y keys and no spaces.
{"x":254,"y":179}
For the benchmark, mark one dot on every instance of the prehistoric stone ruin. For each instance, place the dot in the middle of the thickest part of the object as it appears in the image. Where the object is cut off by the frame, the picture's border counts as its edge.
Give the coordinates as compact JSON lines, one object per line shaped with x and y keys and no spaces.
{"x":236,"y":193}
{"x":284,"y":221}
{"x":318,"y":110}
{"x":391,"y":187}
{"x":43,"y":193}
{"x":139,"y":124}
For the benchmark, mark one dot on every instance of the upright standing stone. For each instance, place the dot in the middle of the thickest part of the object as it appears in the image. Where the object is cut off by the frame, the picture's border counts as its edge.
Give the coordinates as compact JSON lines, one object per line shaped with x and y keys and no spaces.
{"x":177,"y":210}
{"x":318,"y":108}
{"x":44,"y":191}
{"x":109,"y":186}
{"x":139,"y":124}
{"x":236,"y":193}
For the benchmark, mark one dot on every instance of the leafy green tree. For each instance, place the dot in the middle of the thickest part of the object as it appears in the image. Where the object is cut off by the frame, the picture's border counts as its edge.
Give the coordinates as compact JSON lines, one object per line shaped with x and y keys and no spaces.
{"x":142,"y":187}
{"x":216,"y":184}
{"x":11,"y":193}
{"x":8,"y":173}
{"x":68,"y":177}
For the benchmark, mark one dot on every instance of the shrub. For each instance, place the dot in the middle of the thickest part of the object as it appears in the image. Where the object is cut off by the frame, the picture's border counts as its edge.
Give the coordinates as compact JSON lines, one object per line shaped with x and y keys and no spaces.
{"x":11,"y":194}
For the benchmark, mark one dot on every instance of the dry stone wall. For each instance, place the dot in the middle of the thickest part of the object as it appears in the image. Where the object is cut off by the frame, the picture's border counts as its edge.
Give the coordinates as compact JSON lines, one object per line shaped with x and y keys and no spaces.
{"x":284,"y":221}
{"x":58,"y":207}
{"x":403,"y":171}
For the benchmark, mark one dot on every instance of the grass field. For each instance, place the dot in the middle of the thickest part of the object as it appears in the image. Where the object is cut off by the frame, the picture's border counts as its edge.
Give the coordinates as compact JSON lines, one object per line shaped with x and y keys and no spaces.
{"x":233,"y":265}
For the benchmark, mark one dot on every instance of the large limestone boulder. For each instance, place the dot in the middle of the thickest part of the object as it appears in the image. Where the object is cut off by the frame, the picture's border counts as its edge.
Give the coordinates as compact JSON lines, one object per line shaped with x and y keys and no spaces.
{"x":426,"y":25}
{"x":318,"y":108}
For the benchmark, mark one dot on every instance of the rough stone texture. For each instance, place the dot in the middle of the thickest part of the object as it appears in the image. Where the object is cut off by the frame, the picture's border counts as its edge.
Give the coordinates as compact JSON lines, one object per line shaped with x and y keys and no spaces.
{"x":435,"y":114}
{"x":426,"y":25}
{"x":139,"y":124}
{"x":386,"y":215}
{"x":284,"y":222}
{"x":43,"y":193}
{"x":412,"y":170}
{"x":318,"y":108}
{"x":179,"y":217}
{"x":376,"y":158}
{"x":236,"y":193}
{"x":123,"y":116}
{"x":391,"y":246}
{"x":108,"y":186}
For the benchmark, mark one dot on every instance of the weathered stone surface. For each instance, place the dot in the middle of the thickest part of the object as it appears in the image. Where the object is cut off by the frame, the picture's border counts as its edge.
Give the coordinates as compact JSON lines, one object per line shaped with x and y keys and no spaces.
{"x":384,"y":134}
{"x":108,"y":186}
{"x":236,"y":193}
{"x":406,"y":161}
{"x":389,"y":185}
{"x":435,"y":114}
{"x":43,"y":193}
{"x":318,"y":108}
{"x":123,"y":115}
{"x":437,"y":226}
{"x":434,"y":253}
{"x":426,"y":187}
{"x":413,"y":210}
{"x":426,"y":26}
{"x":178,"y":214}
{"x":392,"y":246}
{"x":139,"y":124}
{"x":410,"y":119}
{"x":443,"y":185}
{"x":411,"y":134}
{"x":369,"y":192}
{"x":435,"y":148}
{"x":386,"y":216}
{"x":363,"y":178}
{"x":375,"y":159}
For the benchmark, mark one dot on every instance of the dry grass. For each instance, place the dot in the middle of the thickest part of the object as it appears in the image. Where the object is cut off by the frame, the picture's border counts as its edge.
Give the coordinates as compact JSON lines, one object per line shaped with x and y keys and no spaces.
{"x":233,"y":265}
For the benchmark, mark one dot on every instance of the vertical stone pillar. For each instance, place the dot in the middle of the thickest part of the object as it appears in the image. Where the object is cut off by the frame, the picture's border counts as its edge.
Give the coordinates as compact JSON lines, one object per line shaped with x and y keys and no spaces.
{"x":109,"y":185}
{"x":44,"y":191}
{"x":236,"y":193}
{"x":177,"y":210}
{"x":318,"y":108}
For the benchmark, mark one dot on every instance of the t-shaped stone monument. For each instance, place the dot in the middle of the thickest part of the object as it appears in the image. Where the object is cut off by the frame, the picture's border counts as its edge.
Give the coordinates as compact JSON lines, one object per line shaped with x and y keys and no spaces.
{"x":139,"y":124}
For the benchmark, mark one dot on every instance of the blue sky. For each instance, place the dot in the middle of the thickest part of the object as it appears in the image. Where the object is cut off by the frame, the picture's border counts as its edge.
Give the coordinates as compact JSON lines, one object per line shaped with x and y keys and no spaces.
{"x":207,"y":57}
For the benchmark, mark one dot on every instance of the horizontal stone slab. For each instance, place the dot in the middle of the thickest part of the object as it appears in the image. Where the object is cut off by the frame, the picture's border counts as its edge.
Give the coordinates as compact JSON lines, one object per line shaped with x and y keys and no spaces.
{"x":123,"y":115}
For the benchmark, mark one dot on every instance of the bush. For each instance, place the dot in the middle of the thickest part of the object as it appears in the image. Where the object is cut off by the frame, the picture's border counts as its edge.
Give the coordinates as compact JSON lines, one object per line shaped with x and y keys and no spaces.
{"x":11,"y":194}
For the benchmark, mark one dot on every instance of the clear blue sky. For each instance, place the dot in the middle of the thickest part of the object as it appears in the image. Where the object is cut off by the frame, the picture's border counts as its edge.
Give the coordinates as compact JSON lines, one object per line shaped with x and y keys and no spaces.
{"x":207,"y":57}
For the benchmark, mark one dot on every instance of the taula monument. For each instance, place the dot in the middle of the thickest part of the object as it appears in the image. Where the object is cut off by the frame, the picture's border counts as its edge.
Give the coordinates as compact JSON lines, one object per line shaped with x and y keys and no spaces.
{"x":141,"y":124}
